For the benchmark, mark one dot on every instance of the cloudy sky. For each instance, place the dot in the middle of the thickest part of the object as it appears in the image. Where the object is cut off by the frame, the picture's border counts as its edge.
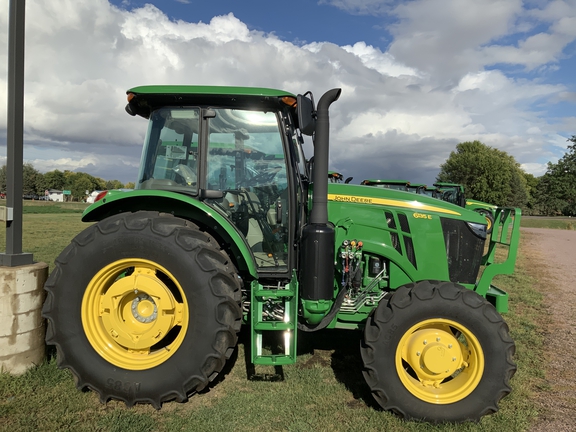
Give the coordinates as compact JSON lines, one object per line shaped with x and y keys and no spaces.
{"x":418,"y":76}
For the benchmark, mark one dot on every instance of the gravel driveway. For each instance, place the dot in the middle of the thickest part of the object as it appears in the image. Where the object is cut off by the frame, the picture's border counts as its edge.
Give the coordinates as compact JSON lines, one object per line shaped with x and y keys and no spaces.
{"x":557,"y":248}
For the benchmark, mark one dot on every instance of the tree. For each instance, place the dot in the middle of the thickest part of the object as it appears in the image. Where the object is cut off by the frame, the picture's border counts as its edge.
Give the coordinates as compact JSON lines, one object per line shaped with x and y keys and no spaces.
{"x":532,"y":182}
{"x":130,"y":185}
{"x":3,"y":178}
{"x":54,"y":180}
{"x":31,"y":180}
{"x":114,"y":184}
{"x":488,"y":174}
{"x":79,"y":182}
{"x":557,"y":188}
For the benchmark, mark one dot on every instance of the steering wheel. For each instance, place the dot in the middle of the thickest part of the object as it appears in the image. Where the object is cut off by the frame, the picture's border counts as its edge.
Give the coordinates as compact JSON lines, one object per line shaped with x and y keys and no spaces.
{"x":186,"y":173}
{"x":263,"y":177}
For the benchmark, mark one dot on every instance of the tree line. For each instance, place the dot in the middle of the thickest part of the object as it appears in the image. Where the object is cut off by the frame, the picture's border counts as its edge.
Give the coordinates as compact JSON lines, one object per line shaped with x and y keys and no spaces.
{"x":494,"y":176}
{"x":36,"y":183}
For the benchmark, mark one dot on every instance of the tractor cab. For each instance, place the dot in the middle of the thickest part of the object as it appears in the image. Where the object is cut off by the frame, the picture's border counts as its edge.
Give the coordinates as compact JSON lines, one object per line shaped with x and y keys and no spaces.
{"x":433,"y":192}
{"x":336,"y":177}
{"x":452,"y":193}
{"x":401,"y":185}
{"x":418,"y":188}
{"x":234,"y":158}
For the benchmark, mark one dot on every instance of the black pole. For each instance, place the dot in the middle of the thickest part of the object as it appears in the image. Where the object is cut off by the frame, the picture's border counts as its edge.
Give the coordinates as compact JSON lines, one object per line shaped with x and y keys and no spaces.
{"x":15,"y":154}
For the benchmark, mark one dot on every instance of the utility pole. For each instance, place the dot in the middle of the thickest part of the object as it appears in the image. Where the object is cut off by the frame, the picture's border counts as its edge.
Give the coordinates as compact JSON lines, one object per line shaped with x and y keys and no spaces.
{"x":15,"y":143}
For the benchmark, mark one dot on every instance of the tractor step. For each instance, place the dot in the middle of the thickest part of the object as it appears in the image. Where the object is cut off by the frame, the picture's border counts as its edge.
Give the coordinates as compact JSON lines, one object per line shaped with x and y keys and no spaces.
{"x":274,"y":323}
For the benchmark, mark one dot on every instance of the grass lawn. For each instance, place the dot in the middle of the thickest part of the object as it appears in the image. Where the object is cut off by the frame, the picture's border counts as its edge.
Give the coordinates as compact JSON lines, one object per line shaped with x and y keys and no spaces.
{"x":548,"y":222}
{"x":323,"y":391}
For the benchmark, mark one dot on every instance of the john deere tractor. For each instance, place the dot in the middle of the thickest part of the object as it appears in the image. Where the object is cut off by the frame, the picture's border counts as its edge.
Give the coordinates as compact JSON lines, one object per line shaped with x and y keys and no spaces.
{"x":336,"y":177}
{"x":454,"y":193}
{"x":401,"y":185}
{"x":226,"y":228}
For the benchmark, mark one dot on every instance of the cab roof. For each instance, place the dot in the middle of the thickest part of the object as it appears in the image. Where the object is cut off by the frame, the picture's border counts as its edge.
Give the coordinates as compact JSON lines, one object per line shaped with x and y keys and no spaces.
{"x":145,"y":99}
{"x":208,"y":90}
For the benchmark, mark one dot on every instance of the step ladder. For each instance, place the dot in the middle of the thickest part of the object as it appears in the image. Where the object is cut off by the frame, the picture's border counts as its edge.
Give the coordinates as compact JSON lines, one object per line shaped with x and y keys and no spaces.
{"x":274,"y":309}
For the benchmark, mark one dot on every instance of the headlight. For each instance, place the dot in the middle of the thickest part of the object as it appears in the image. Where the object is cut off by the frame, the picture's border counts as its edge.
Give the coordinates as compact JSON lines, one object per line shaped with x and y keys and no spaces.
{"x":478,"y":229}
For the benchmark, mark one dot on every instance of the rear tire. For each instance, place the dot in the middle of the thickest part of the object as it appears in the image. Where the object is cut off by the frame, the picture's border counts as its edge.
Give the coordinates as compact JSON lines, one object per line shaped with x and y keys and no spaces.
{"x":144,"y":308}
{"x":437,"y":352}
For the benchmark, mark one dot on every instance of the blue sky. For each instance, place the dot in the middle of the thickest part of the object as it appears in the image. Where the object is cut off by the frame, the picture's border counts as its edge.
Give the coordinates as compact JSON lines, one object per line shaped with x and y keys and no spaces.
{"x":418,"y":76}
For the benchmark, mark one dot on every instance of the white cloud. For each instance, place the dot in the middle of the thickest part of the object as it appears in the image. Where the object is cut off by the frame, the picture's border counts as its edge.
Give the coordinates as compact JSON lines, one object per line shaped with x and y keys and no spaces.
{"x":401,"y":111}
{"x":373,"y":58}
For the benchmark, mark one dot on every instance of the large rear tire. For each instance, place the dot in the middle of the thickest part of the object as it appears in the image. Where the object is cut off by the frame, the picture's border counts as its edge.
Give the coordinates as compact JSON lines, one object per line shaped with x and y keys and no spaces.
{"x":437,"y":352}
{"x":143,"y":307}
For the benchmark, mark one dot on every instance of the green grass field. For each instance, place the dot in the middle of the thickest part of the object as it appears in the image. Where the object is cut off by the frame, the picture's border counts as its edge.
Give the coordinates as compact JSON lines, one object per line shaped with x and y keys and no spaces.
{"x":323,"y":391}
{"x":544,"y":222}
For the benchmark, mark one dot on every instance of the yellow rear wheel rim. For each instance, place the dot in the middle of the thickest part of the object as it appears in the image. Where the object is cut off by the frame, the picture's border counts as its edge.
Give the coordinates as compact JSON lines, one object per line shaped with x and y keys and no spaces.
{"x":439,"y":361}
{"x":135,"y":314}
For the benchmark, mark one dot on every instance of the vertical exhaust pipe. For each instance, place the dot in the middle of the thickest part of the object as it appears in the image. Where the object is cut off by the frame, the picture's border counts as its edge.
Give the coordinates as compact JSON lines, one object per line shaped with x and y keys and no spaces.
{"x":319,"y":213}
{"x":318,"y":237}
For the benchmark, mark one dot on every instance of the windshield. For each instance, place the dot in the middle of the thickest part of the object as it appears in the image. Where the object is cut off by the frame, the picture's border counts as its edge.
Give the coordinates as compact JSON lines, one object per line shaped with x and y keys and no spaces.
{"x":170,"y":153}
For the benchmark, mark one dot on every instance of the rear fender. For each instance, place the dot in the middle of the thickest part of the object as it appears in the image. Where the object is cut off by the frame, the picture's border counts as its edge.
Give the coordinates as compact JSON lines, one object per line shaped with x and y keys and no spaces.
{"x":179,"y":205}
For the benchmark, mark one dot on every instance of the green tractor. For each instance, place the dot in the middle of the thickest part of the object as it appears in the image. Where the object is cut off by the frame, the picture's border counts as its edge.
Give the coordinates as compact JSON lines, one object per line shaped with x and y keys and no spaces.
{"x":227,"y":228}
{"x":418,"y":188}
{"x":336,"y":177}
{"x":401,"y":185}
{"x":433,"y":192}
{"x":454,"y":193}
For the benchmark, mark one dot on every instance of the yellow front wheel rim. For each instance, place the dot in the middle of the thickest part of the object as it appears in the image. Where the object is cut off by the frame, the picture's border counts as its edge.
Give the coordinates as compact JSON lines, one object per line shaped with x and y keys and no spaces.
{"x":488,"y":223}
{"x":135,"y":314}
{"x":439,"y":361}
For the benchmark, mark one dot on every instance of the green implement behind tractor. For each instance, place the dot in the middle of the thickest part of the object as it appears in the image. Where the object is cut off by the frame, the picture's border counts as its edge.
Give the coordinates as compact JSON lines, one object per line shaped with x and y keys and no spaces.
{"x":454,"y":193}
{"x":226,"y":227}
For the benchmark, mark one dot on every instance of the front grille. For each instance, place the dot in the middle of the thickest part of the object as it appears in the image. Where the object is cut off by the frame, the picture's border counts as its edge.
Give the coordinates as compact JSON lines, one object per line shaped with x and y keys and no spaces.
{"x":463,"y":249}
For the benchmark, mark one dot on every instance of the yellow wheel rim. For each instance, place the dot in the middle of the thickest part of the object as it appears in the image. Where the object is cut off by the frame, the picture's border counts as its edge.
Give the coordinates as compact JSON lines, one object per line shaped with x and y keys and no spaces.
{"x":135,"y":314}
{"x":439,"y":361}
{"x":488,"y":224}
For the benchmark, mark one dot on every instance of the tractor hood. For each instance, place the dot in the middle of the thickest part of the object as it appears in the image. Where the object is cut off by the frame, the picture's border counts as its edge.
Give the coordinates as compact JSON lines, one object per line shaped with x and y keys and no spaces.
{"x":399,"y":200}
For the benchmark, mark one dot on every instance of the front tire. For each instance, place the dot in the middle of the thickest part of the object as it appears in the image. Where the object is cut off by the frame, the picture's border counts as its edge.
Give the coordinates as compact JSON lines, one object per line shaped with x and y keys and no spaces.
{"x":489,"y":220}
{"x":437,"y":352}
{"x":144,"y":308}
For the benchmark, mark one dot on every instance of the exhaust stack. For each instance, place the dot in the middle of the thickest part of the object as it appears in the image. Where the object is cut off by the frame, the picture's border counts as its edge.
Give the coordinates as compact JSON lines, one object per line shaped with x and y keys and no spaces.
{"x":317,"y":245}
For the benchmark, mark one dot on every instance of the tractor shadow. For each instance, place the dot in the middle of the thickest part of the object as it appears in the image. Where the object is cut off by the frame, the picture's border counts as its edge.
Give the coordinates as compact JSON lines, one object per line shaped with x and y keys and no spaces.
{"x":335,"y":349}
{"x":340,"y":350}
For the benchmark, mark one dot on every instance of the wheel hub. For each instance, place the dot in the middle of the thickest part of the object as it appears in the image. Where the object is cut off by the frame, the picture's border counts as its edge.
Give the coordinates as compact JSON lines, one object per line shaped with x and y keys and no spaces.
{"x":144,"y":308}
{"x":130,"y":310}
{"x":433,"y":354}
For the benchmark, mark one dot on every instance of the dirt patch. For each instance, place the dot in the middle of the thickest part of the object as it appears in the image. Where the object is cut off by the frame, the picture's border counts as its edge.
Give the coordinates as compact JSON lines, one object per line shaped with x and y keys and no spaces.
{"x":557,"y":402}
